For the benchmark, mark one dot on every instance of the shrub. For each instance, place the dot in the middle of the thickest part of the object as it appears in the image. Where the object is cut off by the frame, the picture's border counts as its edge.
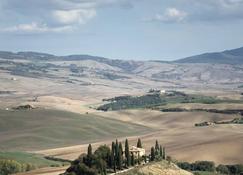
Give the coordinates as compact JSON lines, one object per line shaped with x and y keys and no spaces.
{"x":235,"y":169}
{"x":204,"y":166}
{"x":9,"y":167}
{"x":222,"y":169}
{"x":185,"y":165}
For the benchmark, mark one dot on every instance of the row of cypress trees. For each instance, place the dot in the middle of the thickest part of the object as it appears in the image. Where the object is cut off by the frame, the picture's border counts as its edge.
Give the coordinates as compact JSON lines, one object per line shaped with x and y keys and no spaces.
{"x":117,"y":159}
{"x":157,"y":152}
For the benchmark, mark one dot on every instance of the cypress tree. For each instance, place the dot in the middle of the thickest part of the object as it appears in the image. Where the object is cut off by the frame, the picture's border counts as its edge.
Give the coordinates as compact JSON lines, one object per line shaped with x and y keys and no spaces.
{"x":164,"y":153}
{"x":160,"y":151}
{"x":89,"y":155}
{"x":127,"y":154}
{"x":121,"y":151}
{"x":139,"y":143}
{"x":152,"y":155}
{"x":156,"y":147}
{"x":113,"y":158}
{"x":89,"y":150}
{"x":120,"y":156}
{"x":116,"y":153}
{"x":132,"y":160}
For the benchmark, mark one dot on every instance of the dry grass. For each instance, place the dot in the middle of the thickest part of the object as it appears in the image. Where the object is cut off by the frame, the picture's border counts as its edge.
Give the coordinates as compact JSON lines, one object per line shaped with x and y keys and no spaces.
{"x":157,"y":168}
{"x":176,"y":131}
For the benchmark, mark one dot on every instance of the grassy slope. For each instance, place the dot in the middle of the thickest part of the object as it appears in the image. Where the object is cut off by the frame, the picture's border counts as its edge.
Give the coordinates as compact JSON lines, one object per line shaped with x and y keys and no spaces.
{"x":42,"y":129}
{"x":157,"y":168}
{"x":25,"y":158}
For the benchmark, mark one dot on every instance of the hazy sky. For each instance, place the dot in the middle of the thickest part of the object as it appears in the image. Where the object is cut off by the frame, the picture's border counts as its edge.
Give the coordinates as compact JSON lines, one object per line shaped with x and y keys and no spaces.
{"x":129,"y":29}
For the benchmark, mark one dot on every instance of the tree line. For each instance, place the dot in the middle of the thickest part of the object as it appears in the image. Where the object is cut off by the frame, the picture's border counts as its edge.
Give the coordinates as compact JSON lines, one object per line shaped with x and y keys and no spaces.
{"x":11,"y":166}
{"x":112,"y":159}
{"x":210,"y":166}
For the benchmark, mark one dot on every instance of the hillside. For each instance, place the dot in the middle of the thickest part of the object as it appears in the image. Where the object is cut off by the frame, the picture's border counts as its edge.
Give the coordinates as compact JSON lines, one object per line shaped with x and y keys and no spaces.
{"x":36,"y":56}
{"x":97,"y":78}
{"x":234,"y":56}
{"x":78,"y":83}
{"x":42,"y":129}
{"x":157,"y":168}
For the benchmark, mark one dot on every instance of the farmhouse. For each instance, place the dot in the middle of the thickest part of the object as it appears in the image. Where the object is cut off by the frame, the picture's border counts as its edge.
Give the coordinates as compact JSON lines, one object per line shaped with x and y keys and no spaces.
{"x":137,"y":152}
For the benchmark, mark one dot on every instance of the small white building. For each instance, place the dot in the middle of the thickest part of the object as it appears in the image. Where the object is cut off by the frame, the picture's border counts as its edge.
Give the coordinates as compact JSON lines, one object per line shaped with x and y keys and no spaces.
{"x":137,"y":152}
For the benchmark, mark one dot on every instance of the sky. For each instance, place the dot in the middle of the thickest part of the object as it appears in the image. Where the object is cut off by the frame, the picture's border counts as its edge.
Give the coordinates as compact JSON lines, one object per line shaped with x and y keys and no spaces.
{"x":121,"y":29}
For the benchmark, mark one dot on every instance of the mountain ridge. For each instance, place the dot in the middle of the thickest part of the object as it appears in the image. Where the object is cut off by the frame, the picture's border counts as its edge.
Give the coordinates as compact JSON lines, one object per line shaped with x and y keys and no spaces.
{"x":232,"y":56}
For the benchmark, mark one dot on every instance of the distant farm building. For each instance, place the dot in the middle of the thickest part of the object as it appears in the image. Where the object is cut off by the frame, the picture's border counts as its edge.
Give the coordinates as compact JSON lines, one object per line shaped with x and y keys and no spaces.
{"x":156,"y":91}
{"x":137,"y":152}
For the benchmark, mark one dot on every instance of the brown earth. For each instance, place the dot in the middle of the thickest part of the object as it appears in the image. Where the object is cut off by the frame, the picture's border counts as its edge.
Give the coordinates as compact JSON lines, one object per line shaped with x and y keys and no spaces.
{"x":176,"y":131}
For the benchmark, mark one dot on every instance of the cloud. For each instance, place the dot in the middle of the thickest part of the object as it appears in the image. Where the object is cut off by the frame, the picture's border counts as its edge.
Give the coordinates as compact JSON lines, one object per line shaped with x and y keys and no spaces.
{"x":214,"y":10}
{"x":200,"y":11}
{"x":51,"y":15}
{"x":80,"y":16}
{"x":35,"y":28}
{"x":170,"y":15}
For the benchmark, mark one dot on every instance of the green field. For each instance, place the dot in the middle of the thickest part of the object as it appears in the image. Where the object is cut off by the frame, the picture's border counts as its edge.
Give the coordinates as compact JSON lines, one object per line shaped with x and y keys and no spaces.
{"x":42,"y":129}
{"x":28,"y":158}
{"x":154,"y":100}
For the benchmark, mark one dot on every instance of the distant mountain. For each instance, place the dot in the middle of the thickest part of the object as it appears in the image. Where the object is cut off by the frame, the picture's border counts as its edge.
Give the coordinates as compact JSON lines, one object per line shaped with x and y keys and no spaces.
{"x":234,"y":56}
{"x":88,"y":70}
{"x":127,"y":65}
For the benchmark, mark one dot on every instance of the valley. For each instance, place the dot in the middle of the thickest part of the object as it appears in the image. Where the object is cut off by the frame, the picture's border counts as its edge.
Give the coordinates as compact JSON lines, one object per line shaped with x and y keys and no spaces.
{"x":66,"y":91}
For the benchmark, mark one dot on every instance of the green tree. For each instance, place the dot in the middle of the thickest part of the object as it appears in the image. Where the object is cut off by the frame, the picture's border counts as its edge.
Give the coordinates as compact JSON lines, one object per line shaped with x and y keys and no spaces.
{"x":222,"y":169}
{"x":156,"y":147}
{"x":139,"y":143}
{"x":132,"y":160}
{"x":161,"y":151}
{"x":89,"y":150}
{"x":152,"y":154}
{"x":9,"y":167}
{"x":120,"y":156}
{"x":113,"y":156}
{"x":89,"y":156}
{"x":103,"y":152}
{"x":127,"y":154}
{"x":83,"y":169}
{"x":101,"y":165}
{"x":164,"y":155}
{"x":117,"y":153}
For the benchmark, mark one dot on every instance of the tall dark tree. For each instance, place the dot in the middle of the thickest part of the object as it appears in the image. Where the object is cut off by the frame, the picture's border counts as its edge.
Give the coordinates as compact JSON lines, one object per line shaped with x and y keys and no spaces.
{"x":132,"y":160}
{"x":127,"y":154}
{"x":89,"y":155}
{"x":152,"y":154}
{"x":121,"y":151}
{"x":160,"y":151}
{"x":113,"y":156}
{"x":164,"y":155}
{"x":120,"y":156}
{"x":156,"y":147}
{"x":89,"y":150}
{"x":139,"y":143}
{"x":117,"y":153}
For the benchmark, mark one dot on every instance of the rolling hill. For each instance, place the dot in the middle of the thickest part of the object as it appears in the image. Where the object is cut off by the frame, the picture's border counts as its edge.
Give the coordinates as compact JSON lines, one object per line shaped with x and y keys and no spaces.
{"x":42,"y":129}
{"x":225,"y":72}
{"x":234,"y":56}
